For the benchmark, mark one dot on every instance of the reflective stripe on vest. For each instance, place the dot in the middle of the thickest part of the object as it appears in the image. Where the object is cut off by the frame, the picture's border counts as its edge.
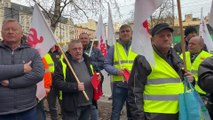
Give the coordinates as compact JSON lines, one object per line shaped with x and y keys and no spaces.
{"x":64,"y":67}
{"x":50,"y":62}
{"x":163,"y":81}
{"x":123,"y":62}
{"x":125,"y":59}
{"x":161,"y":97}
{"x":162,"y":88}
{"x":46,"y":70}
{"x":193,"y":68}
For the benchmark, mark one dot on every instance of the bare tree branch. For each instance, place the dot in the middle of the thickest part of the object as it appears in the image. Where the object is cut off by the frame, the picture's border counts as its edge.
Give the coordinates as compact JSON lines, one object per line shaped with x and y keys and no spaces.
{"x":80,"y":9}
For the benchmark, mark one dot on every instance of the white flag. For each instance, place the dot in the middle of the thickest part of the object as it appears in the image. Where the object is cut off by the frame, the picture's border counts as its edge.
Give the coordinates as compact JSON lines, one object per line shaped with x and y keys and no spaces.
{"x":41,"y":36}
{"x":101,"y":36}
{"x":141,"y":42}
{"x":111,"y":34}
{"x":40,"y":91}
{"x":204,"y":33}
{"x":211,"y":16}
{"x":42,"y":39}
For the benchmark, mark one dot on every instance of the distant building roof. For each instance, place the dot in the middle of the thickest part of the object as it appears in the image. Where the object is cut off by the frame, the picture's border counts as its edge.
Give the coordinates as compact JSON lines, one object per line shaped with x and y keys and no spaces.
{"x":17,"y":8}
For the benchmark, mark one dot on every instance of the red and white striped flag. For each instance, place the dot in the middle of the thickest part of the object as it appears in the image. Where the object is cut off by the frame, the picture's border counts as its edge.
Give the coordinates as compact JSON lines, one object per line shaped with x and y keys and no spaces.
{"x":204,"y":33}
{"x":141,"y":42}
{"x":41,"y":38}
{"x":101,"y":36}
{"x":111,"y":33}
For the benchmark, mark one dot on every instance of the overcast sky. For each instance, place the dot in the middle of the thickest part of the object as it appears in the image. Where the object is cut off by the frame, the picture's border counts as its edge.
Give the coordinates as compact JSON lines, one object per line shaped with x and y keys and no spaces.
{"x":127,"y":6}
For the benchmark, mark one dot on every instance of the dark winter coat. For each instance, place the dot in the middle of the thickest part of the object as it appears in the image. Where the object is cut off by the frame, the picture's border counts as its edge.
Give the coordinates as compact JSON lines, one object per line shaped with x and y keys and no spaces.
{"x":20,"y":95}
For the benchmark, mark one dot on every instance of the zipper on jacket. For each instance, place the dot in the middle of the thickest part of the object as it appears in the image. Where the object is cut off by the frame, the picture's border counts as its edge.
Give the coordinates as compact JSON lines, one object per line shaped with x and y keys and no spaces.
{"x":12,"y":56}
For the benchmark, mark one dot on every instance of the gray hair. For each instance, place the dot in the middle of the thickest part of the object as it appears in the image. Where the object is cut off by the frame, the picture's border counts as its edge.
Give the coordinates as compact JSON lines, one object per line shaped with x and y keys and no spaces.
{"x":7,"y":20}
{"x":73,"y":42}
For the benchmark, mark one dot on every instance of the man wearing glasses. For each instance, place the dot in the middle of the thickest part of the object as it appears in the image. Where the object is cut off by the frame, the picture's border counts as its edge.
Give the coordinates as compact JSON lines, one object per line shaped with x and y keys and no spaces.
{"x":74,"y":104}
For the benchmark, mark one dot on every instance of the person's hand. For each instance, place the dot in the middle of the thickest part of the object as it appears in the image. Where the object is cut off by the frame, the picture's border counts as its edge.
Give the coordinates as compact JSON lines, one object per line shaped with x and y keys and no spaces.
{"x":189,"y":76}
{"x":47,"y":90}
{"x":99,"y":76}
{"x":5,"y":83}
{"x":120,"y":72}
{"x":57,"y":56}
{"x":81,"y":86}
{"x":27,"y":67}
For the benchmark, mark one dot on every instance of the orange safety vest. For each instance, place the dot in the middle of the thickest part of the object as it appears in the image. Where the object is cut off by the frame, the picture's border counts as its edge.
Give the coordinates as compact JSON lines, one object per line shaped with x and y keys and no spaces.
{"x":47,"y":76}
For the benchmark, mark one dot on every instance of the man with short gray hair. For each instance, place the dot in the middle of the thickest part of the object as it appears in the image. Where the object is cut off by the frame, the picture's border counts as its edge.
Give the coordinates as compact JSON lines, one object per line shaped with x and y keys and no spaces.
{"x":74,"y":104}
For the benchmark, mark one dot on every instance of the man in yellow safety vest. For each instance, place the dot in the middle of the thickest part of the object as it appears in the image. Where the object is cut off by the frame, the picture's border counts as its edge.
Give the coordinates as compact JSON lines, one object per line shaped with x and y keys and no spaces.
{"x":153,"y":90}
{"x":194,"y":56}
{"x":120,"y":57}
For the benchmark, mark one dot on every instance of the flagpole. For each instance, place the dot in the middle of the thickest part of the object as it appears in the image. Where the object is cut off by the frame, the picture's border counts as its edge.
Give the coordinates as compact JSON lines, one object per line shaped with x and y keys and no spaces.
{"x":72,"y":70}
{"x":90,"y":50}
{"x":115,"y":44}
{"x":182,"y":38}
{"x":76,"y":78}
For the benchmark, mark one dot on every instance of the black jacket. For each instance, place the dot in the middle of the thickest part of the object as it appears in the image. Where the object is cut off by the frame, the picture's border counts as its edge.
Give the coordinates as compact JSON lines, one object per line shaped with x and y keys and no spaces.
{"x":69,"y":86}
{"x":205,"y":81}
{"x":205,"y":73}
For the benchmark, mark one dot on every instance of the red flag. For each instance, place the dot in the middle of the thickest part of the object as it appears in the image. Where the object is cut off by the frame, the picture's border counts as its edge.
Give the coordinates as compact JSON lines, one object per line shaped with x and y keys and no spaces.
{"x":126,"y":74}
{"x":96,"y":87}
{"x":97,"y":93}
{"x":95,"y":81}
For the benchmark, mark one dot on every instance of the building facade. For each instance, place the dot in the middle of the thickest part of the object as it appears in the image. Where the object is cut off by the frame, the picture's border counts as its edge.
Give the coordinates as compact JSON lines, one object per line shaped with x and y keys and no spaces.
{"x":64,"y":30}
{"x":81,"y":29}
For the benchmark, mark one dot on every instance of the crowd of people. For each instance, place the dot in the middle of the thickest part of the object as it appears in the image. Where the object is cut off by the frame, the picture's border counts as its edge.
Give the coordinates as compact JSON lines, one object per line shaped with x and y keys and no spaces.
{"x":150,"y":93}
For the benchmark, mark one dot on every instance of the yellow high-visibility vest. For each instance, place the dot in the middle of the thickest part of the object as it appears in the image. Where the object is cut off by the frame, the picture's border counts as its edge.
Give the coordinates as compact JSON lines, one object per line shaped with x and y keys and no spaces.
{"x":193,"y":67}
{"x":126,"y":60}
{"x":162,"y":88}
{"x":64,"y":67}
{"x":50,"y":62}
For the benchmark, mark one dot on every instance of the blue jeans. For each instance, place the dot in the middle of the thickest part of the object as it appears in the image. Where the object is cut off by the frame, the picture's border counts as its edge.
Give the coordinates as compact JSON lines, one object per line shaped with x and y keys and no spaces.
{"x":26,"y":115}
{"x":40,"y":111}
{"x":119,"y":97}
{"x":94,"y":113}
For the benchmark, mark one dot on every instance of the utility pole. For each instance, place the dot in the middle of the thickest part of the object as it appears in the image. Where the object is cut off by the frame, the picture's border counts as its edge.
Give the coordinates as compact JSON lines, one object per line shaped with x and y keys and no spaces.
{"x":173,"y":12}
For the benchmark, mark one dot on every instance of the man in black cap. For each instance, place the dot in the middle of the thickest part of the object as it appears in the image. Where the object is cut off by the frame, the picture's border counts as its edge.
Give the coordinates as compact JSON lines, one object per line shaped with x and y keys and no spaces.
{"x":189,"y":32}
{"x":153,"y":90}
